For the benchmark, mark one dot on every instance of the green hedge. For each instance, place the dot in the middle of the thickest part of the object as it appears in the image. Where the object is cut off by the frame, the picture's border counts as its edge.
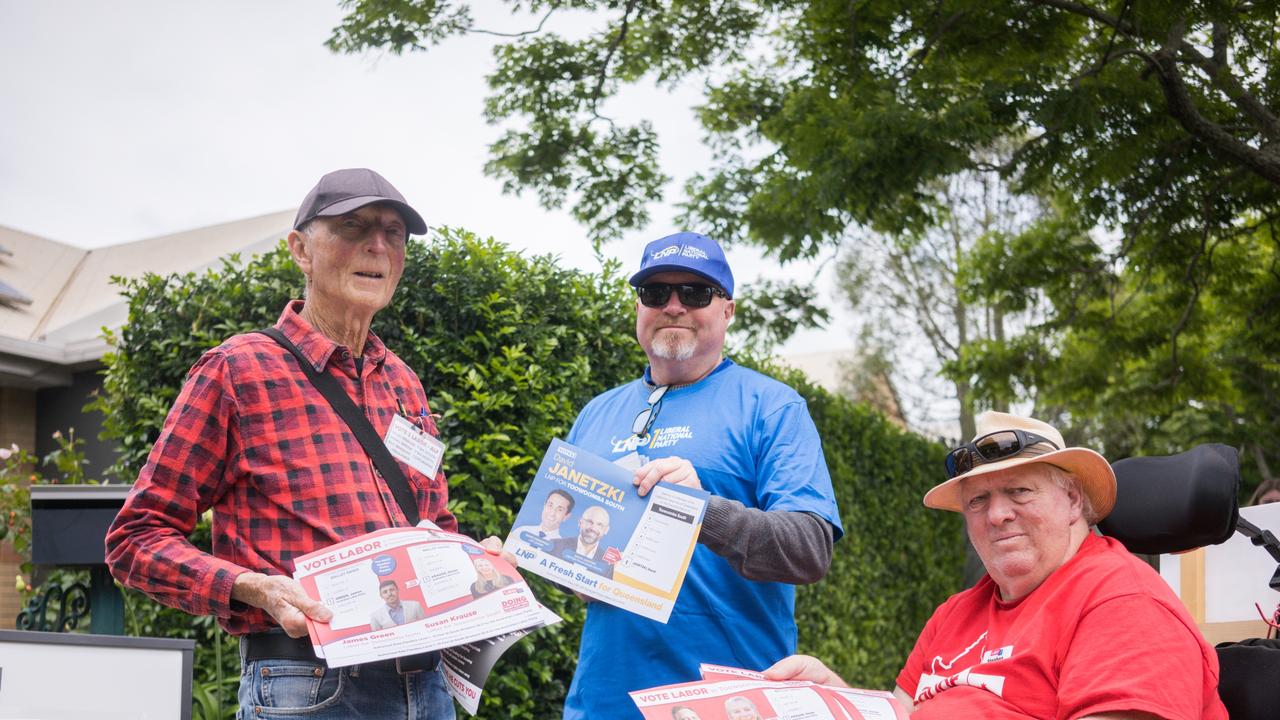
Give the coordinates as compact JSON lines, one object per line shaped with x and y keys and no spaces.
{"x":509,"y":348}
{"x":897,"y":561}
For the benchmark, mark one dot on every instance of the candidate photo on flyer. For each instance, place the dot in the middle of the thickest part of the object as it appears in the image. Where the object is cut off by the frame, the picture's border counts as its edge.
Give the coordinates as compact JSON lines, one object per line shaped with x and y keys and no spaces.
{"x":488,"y":578}
{"x":394,"y":611}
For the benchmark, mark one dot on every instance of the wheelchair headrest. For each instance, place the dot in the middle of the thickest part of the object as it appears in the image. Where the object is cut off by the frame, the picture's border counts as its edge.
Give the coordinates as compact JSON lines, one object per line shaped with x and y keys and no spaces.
{"x":1178,"y":502}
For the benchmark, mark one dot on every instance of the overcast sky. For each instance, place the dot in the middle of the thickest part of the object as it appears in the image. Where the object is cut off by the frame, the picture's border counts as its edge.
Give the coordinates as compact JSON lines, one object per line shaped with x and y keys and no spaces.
{"x":131,"y":119}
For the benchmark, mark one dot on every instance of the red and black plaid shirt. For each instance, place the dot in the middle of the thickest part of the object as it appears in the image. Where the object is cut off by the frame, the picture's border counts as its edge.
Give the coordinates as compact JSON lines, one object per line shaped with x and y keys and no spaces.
{"x":252,"y":439}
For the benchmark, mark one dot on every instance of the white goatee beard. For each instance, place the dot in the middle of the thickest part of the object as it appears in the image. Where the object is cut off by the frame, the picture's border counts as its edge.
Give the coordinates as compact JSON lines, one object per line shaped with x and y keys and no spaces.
{"x":676,"y":348}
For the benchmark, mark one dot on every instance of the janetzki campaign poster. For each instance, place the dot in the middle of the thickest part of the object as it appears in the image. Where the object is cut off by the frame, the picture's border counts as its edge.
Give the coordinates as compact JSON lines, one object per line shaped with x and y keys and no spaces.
{"x":584,"y":526}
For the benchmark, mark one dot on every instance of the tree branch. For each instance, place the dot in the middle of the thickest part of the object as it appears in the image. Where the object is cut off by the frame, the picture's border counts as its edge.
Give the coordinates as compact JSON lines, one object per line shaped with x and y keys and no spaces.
{"x":1221,"y":78}
{"x":1189,"y":276}
{"x":534,"y":31}
{"x":608,"y":58}
{"x":1220,"y":39}
{"x":1111,"y":41}
{"x":923,"y":305}
{"x":1261,"y":461}
{"x":1016,"y":155}
{"x":1075,"y":8}
{"x":918,"y":57}
{"x":1215,"y":68}
{"x":1181,"y":106}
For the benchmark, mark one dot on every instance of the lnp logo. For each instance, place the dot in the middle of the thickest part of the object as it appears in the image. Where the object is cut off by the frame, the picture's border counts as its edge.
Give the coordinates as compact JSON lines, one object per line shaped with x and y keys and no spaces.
{"x":691,"y":251}
{"x":668,"y":250}
{"x":657,"y":438}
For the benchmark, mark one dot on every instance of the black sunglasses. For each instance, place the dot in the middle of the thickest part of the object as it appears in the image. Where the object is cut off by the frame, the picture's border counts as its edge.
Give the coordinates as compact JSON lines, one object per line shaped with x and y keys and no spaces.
{"x":692,"y":295}
{"x":646,"y":417}
{"x":991,"y":447}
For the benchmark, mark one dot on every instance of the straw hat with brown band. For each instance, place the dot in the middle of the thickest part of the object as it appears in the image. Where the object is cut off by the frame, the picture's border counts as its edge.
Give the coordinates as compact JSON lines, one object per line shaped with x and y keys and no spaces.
{"x":1005,"y":441}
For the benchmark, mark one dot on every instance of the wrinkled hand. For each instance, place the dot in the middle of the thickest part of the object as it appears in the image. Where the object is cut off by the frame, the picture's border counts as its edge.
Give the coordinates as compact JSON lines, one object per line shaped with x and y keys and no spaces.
{"x":493,"y":546}
{"x":283,"y":599}
{"x":803,"y":667}
{"x":675,"y":470}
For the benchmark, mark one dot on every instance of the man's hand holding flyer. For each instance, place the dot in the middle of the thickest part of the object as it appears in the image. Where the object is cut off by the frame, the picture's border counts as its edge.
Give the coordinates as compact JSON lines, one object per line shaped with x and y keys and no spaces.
{"x":736,"y":693}
{"x":584,"y":526}
{"x":404,"y":591}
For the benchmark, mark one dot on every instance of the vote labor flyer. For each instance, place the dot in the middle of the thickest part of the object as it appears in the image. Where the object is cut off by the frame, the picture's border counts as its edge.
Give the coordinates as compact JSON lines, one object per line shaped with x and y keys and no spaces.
{"x":466,"y":667}
{"x":733,"y":692}
{"x":584,"y":526}
{"x":404,"y":591}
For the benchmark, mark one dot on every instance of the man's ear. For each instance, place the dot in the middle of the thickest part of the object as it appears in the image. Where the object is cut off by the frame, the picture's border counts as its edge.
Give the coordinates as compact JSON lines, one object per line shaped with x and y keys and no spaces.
{"x":300,"y":249}
{"x":729,"y":308}
{"x":1075,"y":495}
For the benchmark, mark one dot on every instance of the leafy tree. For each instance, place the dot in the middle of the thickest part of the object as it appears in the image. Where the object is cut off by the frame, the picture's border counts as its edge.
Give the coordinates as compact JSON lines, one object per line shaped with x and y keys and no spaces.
{"x":910,"y":292}
{"x":853,"y":108}
{"x":1149,"y":127}
{"x":770,"y":312}
{"x":1150,"y":359}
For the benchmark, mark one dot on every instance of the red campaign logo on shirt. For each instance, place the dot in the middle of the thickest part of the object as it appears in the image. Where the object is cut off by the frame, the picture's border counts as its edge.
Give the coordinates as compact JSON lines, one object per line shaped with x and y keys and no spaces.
{"x":938,"y":666}
{"x":931,"y":685}
{"x":942,"y":676}
{"x":612,"y":555}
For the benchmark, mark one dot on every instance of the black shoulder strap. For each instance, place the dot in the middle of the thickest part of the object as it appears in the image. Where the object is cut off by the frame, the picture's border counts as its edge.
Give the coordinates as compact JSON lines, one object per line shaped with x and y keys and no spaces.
{"x":359,"y":424}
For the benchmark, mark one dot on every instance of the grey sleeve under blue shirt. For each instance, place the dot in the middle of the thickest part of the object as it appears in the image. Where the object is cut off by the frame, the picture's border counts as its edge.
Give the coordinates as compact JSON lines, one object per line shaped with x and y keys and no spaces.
{"x":769,"y":545}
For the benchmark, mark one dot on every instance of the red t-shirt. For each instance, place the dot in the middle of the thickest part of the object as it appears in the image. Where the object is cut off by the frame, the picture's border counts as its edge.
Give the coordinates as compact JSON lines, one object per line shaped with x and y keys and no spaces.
{"x":1104,"y":633}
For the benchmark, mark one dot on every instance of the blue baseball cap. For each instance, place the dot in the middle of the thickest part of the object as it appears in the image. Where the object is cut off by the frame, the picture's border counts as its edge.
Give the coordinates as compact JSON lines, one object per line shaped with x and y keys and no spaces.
{"x":686,"y":252}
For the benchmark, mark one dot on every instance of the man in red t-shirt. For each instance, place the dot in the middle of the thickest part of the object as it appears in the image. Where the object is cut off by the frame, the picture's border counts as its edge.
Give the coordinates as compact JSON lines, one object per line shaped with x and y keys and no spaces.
{"x":1066,"y":624}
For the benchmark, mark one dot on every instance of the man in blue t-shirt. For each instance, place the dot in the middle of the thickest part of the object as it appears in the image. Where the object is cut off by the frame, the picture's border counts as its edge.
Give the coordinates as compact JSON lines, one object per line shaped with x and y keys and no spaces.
{"x":695,"y":418}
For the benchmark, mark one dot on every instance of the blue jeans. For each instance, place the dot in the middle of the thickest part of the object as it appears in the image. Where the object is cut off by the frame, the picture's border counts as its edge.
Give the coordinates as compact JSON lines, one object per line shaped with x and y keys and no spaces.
{"x":273,"y":688}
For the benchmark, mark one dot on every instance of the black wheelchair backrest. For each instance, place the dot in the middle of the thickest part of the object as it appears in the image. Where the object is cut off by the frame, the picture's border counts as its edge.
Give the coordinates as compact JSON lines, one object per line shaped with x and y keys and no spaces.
{"x":1176,"y":502}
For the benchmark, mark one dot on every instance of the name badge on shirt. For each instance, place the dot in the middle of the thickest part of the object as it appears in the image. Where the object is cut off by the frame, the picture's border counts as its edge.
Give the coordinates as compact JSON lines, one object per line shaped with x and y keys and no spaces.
{"x":1003,"y":653}
{"x":413,"y":447}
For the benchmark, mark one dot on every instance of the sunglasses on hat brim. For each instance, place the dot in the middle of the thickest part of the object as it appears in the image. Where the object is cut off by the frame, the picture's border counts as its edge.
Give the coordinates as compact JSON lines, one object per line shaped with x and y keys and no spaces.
{"x":992,"y":447}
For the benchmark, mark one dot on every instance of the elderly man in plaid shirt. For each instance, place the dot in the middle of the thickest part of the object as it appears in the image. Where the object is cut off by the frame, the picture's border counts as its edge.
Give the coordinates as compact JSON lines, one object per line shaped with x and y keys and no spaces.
{"x":252,"y":439}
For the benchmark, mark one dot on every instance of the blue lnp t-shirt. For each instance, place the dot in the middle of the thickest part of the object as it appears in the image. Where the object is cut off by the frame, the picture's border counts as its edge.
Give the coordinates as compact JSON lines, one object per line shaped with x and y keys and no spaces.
{"x":751,"y":439}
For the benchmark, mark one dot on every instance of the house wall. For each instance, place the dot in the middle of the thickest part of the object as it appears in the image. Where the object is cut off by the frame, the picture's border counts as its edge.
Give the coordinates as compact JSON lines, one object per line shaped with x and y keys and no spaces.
{"x":17,"y":425}
{"x":29,"y":418}
{"x":62,"y":408}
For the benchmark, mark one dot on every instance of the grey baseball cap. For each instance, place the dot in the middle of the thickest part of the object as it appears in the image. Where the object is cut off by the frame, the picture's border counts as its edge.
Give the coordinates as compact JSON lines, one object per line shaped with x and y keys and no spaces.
{"x":342,"y":191}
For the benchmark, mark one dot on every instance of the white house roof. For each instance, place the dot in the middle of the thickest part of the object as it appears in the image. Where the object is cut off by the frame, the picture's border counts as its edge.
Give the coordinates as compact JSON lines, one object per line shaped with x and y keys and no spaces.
{"x":71,"y":296}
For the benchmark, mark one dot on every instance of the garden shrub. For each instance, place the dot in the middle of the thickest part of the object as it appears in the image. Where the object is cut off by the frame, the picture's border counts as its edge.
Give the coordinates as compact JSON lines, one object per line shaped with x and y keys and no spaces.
{"x":898,"y":560}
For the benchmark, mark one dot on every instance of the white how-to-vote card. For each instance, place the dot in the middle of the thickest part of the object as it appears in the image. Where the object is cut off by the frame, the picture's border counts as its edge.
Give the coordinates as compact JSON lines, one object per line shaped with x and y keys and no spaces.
{"x":413,"y":447}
